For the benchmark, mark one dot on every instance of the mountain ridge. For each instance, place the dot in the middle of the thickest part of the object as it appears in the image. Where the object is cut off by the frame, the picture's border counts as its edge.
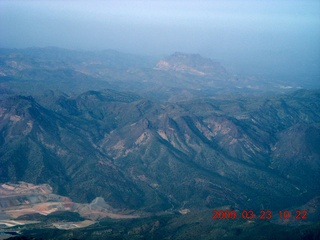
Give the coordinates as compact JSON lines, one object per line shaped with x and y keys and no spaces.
{"x":126,"y":150}
{"x":183,"y":76}
{"x":130,"y":149}
{"x":190,"y":63}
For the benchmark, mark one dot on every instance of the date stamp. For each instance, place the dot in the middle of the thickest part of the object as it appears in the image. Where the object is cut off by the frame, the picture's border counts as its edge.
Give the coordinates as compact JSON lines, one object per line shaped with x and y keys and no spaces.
{"x":262,"y":215}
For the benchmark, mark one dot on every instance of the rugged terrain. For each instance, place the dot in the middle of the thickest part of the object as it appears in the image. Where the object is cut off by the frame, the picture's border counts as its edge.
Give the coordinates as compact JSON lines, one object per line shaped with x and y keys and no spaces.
{"x":177,"y":77}
{"x":197,"y":144}
{"x":130,"y":151}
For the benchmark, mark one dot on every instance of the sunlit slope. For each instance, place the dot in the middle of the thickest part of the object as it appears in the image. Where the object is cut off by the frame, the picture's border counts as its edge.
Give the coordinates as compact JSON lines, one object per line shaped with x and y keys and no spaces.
{"x":138,"y":154}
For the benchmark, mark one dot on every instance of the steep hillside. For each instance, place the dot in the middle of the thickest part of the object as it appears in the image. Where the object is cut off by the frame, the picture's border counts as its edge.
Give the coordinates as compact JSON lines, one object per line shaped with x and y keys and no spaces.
{"x":39,"y":145}
{"x":142,"y":155}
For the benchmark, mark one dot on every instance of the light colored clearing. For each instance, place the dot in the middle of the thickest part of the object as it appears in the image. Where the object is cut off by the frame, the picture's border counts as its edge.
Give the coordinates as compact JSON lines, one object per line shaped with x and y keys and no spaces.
{"x":126,"y":152}
{"x":5,"y":186}
{"x":163,"y":135}
{"x":121,"y":216}
{"x":142,"y":177}
{"x":45,"y":208}
{"x":253,"y":120}
{"x":201,"y":180}
{"x":15,"y":118}
{"x":162,"y":65}
{"x":176,"y":142}
{"x":73,"y":225}
{"x":86,"y":211}
{"x":10,"y":189}
{"x":207,"y":130}
{"x":196,"y":72}
{"x":187,"y":137}
{"x":12,"y":223}
{"x":19,"y":212}
{"x":225,"y":130}
{"x":165,"y":66}
{"x":119,"y":145}
{"x":233,"y":141}
{"x":96,"y":215}
{"x":41,"y":208}
{"x":28,"y":128}
{"x":50,"y":207}
{"x":222,"y":128}
{"x":49,"y":146}
{"x":61,"y":152}
{"x":184,"y":211}
{"x":14,"y":64}
{"x":143,"y":137}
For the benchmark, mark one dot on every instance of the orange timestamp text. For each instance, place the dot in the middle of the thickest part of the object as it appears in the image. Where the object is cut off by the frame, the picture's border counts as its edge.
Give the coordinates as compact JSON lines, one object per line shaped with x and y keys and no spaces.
{"x":262,"y":214}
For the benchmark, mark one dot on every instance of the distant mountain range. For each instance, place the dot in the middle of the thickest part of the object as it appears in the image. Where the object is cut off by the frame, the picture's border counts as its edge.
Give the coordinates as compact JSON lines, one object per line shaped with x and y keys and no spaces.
{"x":177,"y":77}
{"x":191,"y":64}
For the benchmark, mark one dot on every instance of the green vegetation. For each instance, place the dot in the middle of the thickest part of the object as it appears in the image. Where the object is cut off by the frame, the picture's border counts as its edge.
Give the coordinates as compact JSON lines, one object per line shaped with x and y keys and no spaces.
{"x":157,"y":141}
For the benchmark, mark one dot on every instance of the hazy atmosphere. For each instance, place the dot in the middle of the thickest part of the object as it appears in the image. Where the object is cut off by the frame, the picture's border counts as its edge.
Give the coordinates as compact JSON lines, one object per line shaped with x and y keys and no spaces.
{"x":250,"y":37}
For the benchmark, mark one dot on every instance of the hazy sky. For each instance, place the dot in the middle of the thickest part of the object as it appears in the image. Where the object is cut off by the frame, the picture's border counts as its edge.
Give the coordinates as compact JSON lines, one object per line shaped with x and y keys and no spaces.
{"x":256,"y":35}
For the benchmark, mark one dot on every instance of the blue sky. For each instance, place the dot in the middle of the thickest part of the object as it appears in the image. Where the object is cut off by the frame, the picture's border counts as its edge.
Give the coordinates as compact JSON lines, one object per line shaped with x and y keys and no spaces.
{"x":259,"y":35}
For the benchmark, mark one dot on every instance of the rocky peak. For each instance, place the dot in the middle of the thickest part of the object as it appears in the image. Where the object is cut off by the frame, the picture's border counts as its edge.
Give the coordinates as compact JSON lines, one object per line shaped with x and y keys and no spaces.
{"x":193,"y":64}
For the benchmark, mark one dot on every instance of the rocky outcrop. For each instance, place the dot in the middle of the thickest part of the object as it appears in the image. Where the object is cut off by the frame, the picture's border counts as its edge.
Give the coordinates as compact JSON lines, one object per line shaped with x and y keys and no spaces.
{"x":192,"y":64}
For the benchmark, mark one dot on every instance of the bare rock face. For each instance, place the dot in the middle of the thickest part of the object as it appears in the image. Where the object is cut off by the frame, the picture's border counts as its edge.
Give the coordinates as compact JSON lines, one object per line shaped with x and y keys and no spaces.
{"x":26,"y":194}
{"x":11,"y":189}
{"x":192,"y":64}
{"x":23,"y":198}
